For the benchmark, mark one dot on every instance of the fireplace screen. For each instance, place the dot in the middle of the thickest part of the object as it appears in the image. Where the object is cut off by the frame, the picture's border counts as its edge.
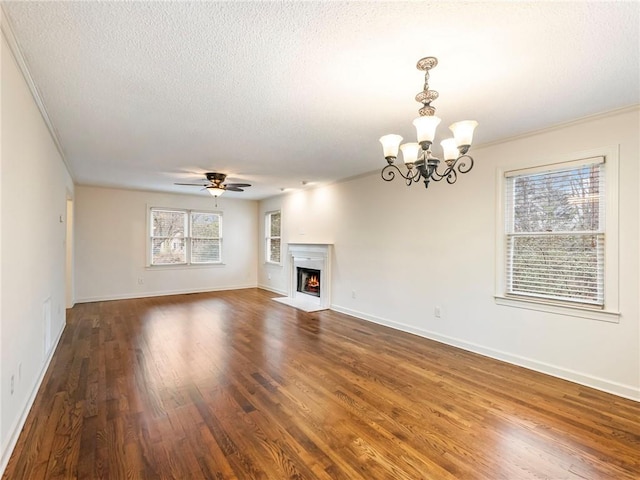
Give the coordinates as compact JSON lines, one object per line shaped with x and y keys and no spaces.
{"x":309,"y":281}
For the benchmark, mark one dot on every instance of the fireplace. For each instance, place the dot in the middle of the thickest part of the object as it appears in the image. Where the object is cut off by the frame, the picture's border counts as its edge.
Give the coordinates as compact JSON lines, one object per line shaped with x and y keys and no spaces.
{"x":308,"y":281}
{"x":309,"y":267}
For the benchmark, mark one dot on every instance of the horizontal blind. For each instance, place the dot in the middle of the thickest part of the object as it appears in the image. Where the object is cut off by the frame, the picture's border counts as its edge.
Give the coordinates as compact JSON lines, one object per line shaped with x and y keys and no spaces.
{"x":168,"y":232}
{"x":205,"y":237}
{"x":554,"y":233}
{"x":273,"y":222}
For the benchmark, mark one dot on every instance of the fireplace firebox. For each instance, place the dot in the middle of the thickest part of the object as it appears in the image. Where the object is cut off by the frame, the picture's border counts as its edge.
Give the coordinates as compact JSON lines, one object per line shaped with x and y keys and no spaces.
{"x":308,"y":281}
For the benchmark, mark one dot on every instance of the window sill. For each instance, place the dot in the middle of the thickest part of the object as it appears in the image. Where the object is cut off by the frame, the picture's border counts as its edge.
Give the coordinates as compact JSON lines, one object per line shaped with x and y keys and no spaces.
{"x":569,"y":310}
{"x":273,"y":264}
{"x":184,"y":266}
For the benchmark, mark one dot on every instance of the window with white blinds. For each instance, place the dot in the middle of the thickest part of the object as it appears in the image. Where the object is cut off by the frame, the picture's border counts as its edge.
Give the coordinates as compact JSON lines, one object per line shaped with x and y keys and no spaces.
{"x":182,"y":237}
{"x":205,"y":237}
{"x":555,"y":232}
{"x":272,"y":228}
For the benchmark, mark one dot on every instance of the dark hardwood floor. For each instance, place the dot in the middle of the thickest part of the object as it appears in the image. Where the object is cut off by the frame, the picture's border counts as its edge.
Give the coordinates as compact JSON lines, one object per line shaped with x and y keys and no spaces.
{"x":234,"y":385}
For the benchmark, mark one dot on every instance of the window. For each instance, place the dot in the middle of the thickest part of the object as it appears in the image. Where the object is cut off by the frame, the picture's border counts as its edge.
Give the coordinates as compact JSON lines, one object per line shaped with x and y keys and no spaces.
{"x":555,"y":233}
{"x":185,"y":237}
{"x":205,"y":237}
{"x":273,"y":241}
{"x":168,"y":237}
{"x":559,"y":236}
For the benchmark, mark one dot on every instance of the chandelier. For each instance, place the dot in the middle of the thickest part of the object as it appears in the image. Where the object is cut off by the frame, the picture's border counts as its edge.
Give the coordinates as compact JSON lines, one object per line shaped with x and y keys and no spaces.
{"x":419,"y":162}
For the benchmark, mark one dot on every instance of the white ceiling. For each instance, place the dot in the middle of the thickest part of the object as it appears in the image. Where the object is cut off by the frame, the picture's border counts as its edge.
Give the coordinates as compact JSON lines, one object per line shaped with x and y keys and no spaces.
{"x":145,"y":94}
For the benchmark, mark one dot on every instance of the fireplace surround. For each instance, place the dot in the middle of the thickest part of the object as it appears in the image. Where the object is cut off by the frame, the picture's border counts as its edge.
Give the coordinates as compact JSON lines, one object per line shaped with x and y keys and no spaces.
{"x":310,"y":264}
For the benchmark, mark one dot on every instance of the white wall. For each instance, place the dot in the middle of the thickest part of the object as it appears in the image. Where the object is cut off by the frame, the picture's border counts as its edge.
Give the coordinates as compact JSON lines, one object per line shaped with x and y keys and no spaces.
{"x":111,"y":245}
{"x":34,"y":186}
{"x":404,"y":251}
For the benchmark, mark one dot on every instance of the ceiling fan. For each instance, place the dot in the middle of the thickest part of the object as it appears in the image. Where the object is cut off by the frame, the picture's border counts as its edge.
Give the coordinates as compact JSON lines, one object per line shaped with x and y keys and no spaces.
{"x":215,"y":186}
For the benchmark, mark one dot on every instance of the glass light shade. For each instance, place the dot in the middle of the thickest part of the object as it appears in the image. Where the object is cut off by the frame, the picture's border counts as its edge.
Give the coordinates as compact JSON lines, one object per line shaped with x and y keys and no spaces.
{"x":450,"y":149}
{"x":215,"y":191}
{"x":426,"y":128}
{"x":463,"y":131}
{"x":410,"y":152}
{"x":390,"y":144}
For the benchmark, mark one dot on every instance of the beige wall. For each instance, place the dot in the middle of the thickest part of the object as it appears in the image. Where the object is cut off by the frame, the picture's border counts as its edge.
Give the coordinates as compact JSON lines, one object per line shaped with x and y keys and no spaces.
{"x":34,"y":188}
{"x":111,"y":245}
{"x":403,"y":251}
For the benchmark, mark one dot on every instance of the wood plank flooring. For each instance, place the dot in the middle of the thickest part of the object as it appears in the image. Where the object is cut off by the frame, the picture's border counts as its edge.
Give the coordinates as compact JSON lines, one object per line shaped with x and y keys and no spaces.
{"x":232,"y":385}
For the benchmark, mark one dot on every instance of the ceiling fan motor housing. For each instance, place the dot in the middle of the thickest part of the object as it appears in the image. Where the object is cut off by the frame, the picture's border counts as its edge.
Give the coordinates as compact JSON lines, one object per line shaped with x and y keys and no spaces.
{"x":216,"y":178}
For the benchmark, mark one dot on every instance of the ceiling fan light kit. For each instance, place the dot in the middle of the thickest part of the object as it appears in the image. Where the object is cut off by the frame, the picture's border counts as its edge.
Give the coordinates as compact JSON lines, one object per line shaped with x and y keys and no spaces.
{"x":417,"y":156}
{"x":215,"y":191}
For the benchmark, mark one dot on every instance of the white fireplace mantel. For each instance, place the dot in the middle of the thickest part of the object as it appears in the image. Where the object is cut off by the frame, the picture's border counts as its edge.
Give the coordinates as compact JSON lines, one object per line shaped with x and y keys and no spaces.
{"x":316,"y":256}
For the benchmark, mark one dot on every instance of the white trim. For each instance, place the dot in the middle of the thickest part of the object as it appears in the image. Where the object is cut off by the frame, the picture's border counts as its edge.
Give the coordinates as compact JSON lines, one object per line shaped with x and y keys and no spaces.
{"x":14,"y":46}
{"x":183,"y":266}
{"x":612,"y":222}
{"x":619,"y":389}
{"x":541,"y":305}
{"x":559,"y":126}
{"x":128,"y":296}
{"x":553,"y":167}
{"x":611,"y":312}
{"x":18,"y":425}
{"x":271,"y":289}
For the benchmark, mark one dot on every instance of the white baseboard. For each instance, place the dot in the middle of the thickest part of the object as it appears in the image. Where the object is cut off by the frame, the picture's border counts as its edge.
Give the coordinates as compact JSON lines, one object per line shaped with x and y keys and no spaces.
{"x":18,"y":425}
{"x":128,"y":296}
{"x":270,"y":289}
{"x":621,"y":390}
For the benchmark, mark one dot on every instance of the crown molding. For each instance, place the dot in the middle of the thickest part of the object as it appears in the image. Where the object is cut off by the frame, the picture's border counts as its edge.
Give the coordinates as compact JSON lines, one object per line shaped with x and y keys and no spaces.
{"x":558,"y":126}
{"x":14,"y":46}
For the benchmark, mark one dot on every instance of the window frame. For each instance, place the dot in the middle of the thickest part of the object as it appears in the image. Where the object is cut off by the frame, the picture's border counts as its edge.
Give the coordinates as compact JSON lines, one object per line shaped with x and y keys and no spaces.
{"x":188,"y":238}
{"x":610,"y":311}
{"x":269,"y":238}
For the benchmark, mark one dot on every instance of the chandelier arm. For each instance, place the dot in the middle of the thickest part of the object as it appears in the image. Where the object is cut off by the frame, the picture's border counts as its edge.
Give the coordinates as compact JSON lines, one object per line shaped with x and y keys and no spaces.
{"x":459,"y":165}
{"x":415,"y":176}
{"x":462,"y":168}
{"x":437,"y":176}
{"x":432,"y":172}
{"x":389,"y":172}
{"x":452,"y":176}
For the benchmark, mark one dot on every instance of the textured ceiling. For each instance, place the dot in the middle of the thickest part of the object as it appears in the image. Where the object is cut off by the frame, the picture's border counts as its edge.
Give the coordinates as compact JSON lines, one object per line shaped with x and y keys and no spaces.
{"x":145,"y":94}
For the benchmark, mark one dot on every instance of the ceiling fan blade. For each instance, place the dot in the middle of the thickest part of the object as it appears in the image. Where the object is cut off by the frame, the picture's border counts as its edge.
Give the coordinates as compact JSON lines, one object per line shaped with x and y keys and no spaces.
{"x":241,"y":185}
{"x":194,"y":184}
{"x":233,"y":189}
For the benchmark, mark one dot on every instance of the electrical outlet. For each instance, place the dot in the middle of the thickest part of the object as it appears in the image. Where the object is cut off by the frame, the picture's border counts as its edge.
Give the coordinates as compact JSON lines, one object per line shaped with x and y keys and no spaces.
{"x":140,"y":281}
{"x":353,"y":294}
{"x":12,"y":383}
{"x":269,"y":276}
{"x":437,"y":312}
